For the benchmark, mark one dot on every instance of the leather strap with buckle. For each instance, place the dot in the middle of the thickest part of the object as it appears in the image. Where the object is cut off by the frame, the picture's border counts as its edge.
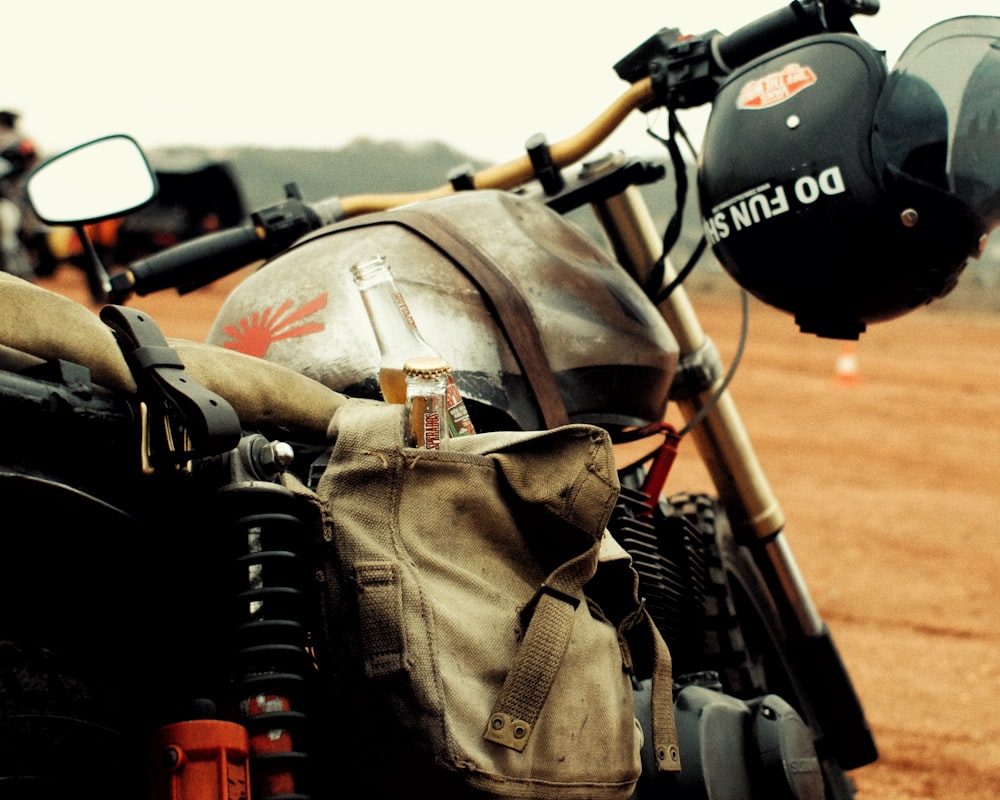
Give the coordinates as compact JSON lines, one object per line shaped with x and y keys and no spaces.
{"x":205,"y":422}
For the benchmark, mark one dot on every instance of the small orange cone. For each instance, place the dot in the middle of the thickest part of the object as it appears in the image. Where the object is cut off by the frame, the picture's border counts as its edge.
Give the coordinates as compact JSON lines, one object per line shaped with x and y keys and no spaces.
{"x":847,"y":365}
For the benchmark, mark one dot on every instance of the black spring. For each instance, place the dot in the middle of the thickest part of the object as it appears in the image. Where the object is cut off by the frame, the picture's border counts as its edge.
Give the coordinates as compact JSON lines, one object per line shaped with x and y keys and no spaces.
{"x":272,"y":666}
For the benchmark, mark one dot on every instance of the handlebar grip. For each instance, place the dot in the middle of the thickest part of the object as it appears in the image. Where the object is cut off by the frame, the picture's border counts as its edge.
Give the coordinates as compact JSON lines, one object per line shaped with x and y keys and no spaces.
{"x":773,"y":30}
{"x":210,"y":256}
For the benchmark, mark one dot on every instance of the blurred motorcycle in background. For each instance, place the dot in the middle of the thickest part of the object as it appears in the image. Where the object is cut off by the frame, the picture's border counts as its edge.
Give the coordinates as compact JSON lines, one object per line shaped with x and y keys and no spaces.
{"x":23,"y":248}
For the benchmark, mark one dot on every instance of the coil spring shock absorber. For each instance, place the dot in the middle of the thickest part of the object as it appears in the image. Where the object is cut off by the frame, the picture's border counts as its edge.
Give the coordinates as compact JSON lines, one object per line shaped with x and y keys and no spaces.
{"x":273,"y":665}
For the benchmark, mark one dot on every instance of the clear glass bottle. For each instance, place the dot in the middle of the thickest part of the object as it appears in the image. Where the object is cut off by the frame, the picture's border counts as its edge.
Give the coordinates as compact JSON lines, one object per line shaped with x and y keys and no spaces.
{"x":399,"y":338}
{"x":427,"y":401}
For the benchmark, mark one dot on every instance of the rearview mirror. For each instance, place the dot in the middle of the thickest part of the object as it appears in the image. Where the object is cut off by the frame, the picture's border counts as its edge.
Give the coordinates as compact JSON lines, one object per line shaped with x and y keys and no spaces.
{"x":104,"y":178}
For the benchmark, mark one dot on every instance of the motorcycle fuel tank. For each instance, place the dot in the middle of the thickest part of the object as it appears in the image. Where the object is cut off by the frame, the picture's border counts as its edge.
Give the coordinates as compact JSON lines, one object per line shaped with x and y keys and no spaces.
{"x":612,"y":354}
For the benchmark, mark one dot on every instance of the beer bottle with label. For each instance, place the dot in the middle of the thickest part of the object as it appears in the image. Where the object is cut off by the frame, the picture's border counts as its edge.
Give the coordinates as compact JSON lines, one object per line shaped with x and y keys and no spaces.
{"x":399,"y":339}
{"x":427,"y":401}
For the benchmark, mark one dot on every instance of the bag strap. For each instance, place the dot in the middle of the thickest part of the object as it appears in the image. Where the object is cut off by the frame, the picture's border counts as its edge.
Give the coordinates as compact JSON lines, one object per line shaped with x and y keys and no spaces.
{"x":540,"y":653}
{"x":637,"y":629}
{"x":506,"y":301}
{"x":666,"y":749}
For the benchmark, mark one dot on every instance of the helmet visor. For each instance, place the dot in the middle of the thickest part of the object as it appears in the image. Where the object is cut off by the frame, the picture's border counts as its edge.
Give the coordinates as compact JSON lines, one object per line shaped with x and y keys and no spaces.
{"x":938,"y":119}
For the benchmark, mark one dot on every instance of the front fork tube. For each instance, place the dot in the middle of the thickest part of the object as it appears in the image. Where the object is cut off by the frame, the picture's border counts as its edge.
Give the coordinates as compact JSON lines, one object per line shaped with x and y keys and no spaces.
{"x":721,"y":438}
{"x":754,"y":511}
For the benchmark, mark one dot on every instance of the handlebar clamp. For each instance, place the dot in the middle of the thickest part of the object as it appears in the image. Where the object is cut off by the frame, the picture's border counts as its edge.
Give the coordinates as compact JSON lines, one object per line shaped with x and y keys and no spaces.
{"x":685,"y":70}
{"x":286,"y":221}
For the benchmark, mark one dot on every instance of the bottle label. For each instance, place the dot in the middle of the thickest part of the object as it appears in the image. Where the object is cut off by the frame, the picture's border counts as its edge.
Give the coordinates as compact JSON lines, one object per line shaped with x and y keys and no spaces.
{"x":459,"y":423}
{"x":405,"y":311}
{"x":426,"y":412}
{"x":432,"y":431}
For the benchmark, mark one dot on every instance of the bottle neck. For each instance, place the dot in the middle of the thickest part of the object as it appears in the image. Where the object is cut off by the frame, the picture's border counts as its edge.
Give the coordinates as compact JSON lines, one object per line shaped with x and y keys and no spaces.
{"x":395,"y":329}
{"x":390,"y":317}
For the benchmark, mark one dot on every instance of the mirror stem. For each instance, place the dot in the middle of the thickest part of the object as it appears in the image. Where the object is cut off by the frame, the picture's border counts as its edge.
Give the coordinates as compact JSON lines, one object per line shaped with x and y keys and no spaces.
{"x":98,"y":280}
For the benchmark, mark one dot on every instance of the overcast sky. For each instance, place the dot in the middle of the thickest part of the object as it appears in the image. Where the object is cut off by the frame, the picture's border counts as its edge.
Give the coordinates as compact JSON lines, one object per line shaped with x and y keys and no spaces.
{"x":310,"y":73}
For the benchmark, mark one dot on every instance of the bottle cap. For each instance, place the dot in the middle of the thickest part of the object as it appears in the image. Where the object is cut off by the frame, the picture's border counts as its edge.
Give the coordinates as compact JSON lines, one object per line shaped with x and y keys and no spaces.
{"x":426,"y":365}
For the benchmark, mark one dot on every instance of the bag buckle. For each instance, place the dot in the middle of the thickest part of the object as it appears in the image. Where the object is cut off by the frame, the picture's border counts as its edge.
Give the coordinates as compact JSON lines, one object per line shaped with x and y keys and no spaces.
{"x":529,"y":610}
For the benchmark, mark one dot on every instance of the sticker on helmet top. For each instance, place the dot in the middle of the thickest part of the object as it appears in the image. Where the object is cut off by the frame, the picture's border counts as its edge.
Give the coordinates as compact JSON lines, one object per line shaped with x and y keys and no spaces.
{"x":775,"y":88}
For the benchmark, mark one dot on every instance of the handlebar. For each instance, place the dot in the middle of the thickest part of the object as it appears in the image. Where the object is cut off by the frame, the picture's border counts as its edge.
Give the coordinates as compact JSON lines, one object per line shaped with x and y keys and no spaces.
{"x":764,"y":34}
{"x":669,"y":70}
{"x":197,"y":262}
{"x":217,"y":254}
{"x":785,"y":25}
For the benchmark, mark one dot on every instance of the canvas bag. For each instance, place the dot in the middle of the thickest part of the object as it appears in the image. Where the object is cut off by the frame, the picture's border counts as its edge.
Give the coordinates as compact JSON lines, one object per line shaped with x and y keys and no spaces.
{"x":461,"y":666}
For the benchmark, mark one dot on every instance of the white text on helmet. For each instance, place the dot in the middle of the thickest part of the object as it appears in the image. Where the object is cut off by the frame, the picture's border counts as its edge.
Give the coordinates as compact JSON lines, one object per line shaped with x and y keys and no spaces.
{"x":767,"y":201}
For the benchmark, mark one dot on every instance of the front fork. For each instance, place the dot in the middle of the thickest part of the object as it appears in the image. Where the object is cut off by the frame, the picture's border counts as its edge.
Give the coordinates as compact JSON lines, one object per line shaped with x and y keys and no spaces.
{"x":743,"y":489}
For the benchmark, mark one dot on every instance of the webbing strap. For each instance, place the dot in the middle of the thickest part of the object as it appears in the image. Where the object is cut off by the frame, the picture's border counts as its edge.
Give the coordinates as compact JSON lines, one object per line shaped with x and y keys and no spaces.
{"x":540,"y":653}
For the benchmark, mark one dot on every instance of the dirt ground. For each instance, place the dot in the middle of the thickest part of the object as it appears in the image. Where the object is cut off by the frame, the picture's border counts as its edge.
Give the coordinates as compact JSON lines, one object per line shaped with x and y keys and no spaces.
{"x":889,"y":482}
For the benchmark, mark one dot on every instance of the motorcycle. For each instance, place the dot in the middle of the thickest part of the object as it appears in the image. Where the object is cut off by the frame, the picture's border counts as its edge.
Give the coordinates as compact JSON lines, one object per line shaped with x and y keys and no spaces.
{"x":14,"y":256}
{"x":24,"y":249}
{"x":159,"y":493}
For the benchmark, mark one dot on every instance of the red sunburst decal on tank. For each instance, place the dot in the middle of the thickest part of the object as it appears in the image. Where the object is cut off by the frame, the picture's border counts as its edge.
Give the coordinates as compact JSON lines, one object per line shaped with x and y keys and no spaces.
{"x":254,"y":334}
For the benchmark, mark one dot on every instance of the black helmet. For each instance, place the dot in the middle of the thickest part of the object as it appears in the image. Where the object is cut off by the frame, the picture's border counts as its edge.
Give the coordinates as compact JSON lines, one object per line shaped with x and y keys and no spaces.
{"x":846,"y":195}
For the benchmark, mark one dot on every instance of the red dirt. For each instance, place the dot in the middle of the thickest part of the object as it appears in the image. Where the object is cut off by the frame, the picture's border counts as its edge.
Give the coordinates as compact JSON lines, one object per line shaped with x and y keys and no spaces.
{"x":890,"y":487}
